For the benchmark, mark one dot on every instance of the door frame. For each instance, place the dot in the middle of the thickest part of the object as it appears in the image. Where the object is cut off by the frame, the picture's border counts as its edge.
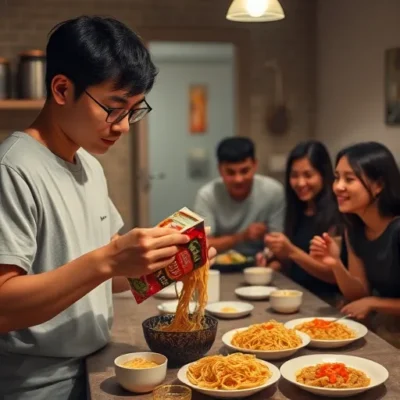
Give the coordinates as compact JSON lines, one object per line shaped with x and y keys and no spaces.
{"x":240,"y":38}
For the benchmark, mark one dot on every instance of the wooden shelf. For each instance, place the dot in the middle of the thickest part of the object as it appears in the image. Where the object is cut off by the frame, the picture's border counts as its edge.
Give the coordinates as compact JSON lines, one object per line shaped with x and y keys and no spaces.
{"x":16,"y":104}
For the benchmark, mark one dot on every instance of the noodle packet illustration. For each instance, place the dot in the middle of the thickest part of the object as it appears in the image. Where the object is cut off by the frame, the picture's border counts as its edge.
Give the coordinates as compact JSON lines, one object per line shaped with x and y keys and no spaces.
{"x":190,"y":256}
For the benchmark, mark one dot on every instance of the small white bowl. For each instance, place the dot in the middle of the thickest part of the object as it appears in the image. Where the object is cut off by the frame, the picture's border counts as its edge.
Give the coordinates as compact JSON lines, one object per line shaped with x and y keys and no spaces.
{"x":258,"y":275}
{"x":231,"y":394}
{"x":265,"y":354}
{"x":241,"y":309}
{"x":376,"y":372}
{"x":358,"y":328}
{"x":286,"y":304}
{"x":169,"y":307}
{"x":141,"y":380}
{"x":255,"y":292}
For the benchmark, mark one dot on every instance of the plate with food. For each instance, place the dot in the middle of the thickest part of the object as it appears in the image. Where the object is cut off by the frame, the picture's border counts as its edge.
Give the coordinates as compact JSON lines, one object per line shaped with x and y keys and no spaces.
{"x":269,"y":340}
{"x":229,"y":309}
{"x":239,"y":375}
{"x":332,"y":375}
{"x":232,"y":261}
{"x":325,"y":333}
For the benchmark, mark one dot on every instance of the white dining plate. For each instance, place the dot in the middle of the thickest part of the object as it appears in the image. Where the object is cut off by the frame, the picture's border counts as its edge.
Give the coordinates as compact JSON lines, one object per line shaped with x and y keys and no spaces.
{"x":358,"y":328}
{"x":169,"y":307}
{"x":255,"y":292}
{"x":169,"y":292}
{"x":376,"y":372}
{"x":230,"y":394}
{"x":230,"y":309}
{"x":265,"y":354}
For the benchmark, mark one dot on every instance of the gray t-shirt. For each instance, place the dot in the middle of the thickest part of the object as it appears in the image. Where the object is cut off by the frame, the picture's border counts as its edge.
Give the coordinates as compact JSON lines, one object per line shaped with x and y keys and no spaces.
{"x":52,"y":212}
{"x":226,"y":216}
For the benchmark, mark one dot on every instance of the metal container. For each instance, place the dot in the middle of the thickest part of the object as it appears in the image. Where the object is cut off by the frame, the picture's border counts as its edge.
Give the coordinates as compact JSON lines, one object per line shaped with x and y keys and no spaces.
{"x":5,"y":79}
{"x":31,"y":75}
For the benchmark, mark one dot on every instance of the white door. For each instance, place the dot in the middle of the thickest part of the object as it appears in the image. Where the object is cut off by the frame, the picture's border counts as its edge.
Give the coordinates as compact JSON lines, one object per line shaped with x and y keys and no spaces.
{"x":174,"y":178}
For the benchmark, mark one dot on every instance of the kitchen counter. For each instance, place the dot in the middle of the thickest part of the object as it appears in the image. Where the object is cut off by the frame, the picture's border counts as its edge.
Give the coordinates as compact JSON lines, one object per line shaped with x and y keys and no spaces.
{"x":128,"y":337}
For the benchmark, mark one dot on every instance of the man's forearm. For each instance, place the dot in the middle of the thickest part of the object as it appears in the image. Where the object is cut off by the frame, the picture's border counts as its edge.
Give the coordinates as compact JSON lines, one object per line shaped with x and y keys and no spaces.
{"x":28,"y":300}
{"x":120,"y":284}
{"x":227,"y":242}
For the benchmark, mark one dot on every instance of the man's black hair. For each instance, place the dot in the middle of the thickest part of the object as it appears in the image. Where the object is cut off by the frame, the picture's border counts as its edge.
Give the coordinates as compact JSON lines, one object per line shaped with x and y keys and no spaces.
{"x":235,"y":149}
{"x":90,"y":50}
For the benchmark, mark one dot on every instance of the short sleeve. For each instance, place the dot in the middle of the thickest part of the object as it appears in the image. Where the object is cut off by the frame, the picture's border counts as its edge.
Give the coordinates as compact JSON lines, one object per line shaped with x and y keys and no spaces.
{"x":116,"y":222}
{"x":203,"y":208}
{"x":18,"y":220}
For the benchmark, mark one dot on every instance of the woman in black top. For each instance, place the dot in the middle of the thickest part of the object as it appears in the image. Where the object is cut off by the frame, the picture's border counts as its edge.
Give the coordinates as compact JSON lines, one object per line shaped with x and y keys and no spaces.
{"x":311,"y":209}
{"x":367,"y":186}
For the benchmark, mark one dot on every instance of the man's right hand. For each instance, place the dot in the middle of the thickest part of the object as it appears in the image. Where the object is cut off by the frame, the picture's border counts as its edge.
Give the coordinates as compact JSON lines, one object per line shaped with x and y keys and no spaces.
{"x":144,"y":250}
{"x":255,"y":231}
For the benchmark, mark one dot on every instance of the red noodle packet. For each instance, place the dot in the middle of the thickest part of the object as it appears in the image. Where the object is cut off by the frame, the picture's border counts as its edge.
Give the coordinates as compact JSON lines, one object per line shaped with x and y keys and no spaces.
{"x":189,"y":257}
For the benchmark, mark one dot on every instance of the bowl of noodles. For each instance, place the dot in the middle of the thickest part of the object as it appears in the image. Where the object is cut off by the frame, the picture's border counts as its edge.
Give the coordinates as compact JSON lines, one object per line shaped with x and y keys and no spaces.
{"x":332,"y":375}
{"x":326,"y":334}
{"x":179,"y":346}
{"x":233,"y":376}
{"x":140,"y":372}
{"x":268,"y":340}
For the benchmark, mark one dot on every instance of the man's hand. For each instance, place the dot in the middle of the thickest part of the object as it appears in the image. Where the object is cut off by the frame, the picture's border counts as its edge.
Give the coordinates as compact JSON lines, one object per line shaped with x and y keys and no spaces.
{"x":255,"y":231}
{"x":142,"y":251}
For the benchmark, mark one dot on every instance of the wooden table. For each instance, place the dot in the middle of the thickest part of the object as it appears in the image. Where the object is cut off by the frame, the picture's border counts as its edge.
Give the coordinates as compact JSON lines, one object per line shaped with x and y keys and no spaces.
{"x":128,"y":337}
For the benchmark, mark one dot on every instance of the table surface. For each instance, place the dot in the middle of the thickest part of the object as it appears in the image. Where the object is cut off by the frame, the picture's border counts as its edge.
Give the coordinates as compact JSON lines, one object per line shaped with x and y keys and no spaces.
{"x":127,"y":337}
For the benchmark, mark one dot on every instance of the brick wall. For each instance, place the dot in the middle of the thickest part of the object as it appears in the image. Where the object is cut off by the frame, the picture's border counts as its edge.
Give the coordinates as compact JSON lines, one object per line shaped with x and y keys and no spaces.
{"x":24,"y":24}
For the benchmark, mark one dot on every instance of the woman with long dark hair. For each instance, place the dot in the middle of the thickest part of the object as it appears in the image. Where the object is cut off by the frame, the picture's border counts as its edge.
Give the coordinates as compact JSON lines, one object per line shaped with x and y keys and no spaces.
{"x":367,"y":186}
{"x":311,"y":209}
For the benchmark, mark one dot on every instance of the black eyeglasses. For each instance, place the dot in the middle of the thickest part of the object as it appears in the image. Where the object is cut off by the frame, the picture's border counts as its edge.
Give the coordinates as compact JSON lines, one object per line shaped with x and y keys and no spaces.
{"x":115,"y":115}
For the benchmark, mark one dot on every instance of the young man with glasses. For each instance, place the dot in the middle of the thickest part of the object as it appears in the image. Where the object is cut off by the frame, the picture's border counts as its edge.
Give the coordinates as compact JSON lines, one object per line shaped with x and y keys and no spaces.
{"x":60,"y":254}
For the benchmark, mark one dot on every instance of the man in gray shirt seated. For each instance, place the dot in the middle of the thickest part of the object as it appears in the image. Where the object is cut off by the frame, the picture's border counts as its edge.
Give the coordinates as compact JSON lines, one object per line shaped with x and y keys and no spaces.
{"x":240,"y":206}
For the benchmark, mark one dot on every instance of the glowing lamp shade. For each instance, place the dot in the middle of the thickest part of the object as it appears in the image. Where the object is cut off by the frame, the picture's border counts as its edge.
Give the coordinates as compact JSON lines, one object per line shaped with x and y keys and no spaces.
{"x":255,"y":11}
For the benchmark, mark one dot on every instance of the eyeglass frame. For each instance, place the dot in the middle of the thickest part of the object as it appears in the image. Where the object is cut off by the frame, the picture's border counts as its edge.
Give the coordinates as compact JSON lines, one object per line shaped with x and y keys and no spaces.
{"x":109,"y":110}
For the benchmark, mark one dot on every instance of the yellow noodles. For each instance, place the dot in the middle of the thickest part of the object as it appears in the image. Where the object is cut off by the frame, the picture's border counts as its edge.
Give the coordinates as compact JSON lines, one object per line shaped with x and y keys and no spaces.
{"x":233,"y":372}
{"x":229,"y":310}
{"x":194,"y":284}
{"x":320,"y":329}
{"x":139,"y":363}
{"x":270,"y":335}
{"x":332,"y":375}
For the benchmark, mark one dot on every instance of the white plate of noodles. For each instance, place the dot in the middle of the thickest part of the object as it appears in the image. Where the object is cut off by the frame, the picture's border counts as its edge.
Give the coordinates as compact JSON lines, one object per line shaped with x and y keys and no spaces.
{"x":268,"y":340}
{"x":325,"y":334}
{"x":331,"y":375}
{"x":233,"y":376}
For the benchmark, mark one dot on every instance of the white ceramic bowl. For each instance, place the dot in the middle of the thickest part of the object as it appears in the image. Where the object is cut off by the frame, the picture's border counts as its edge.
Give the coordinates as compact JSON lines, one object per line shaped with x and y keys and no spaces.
{"x":231,"y":394}
{"x":254,"y":292}
{"x":258,"y":275}
{"x":376,"y":372}
{"x":286,"y":304}
{"x":358,"y":328}
{"x":169,"y":307}
{"x":264,"y":354}
{"x":141,"y":380}
{"x":242,"y":309}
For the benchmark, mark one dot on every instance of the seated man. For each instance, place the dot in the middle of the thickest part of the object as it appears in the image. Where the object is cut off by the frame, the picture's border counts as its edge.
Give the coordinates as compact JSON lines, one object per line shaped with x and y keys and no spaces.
{"x":241,"y":206}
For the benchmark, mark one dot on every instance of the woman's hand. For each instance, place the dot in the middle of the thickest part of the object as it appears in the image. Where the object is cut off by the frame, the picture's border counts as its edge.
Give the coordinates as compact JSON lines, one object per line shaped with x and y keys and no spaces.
{"x":279,"y":244}
{"x":359,"y":309}
{"x":325,"y":249}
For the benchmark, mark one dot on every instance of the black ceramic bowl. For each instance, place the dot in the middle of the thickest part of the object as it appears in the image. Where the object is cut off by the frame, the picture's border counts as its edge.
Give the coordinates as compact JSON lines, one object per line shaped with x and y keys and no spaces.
{"x":179,"y":347}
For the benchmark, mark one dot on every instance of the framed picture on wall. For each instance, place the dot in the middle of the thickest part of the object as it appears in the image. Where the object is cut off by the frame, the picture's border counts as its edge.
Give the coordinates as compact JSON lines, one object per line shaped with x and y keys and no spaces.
{"x":198,"y":109}
{"x":392,"y":86}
